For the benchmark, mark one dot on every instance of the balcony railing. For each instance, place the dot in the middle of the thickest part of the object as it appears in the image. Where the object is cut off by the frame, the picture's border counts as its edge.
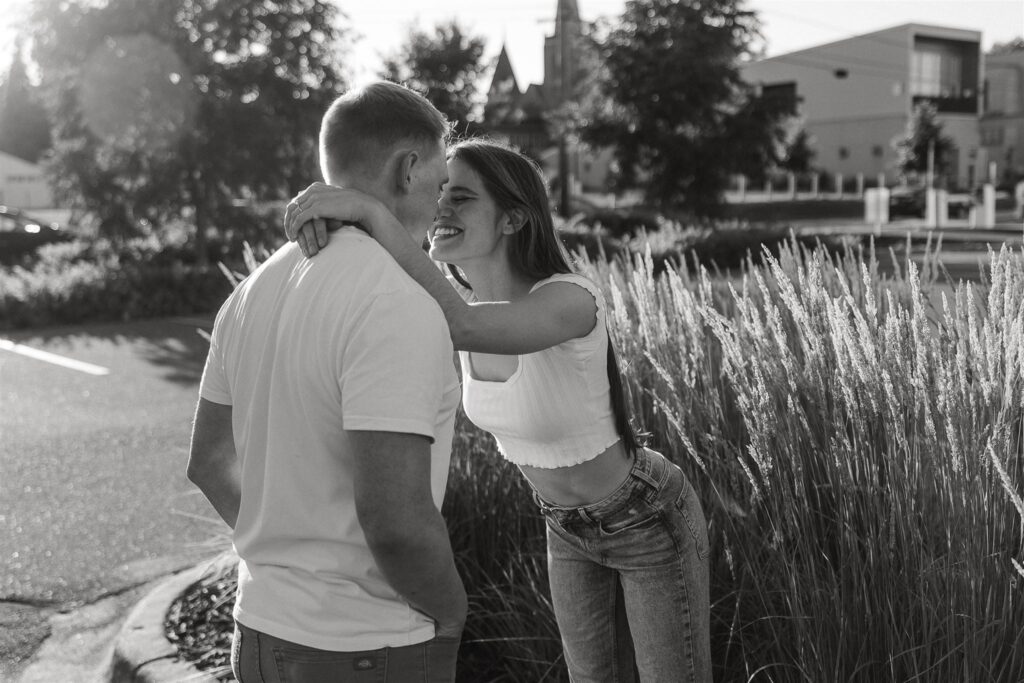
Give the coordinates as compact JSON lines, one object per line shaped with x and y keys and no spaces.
{"x":951,"y":105}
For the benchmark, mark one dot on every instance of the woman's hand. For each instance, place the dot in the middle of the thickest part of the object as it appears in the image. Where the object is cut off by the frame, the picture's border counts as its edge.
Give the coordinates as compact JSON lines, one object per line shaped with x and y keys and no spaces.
{"x":306,"y":216}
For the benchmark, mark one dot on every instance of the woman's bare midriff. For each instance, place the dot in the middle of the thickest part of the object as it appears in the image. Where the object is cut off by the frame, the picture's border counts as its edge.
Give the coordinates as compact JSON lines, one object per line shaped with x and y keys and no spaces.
{"x":583,"y":484}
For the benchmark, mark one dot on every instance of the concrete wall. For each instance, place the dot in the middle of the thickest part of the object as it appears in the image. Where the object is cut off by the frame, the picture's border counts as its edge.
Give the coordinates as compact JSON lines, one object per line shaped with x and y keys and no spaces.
{"x":867,"y":144}
{"x":1002,"y":124}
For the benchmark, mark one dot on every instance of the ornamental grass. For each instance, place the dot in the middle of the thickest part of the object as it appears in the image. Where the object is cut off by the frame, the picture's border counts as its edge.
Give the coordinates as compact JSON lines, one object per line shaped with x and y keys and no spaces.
{"x":856,"y":438}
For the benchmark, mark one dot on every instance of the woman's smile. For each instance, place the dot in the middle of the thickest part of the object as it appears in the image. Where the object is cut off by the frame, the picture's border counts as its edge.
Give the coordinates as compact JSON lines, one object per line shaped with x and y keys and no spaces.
{"x":443,"y":231}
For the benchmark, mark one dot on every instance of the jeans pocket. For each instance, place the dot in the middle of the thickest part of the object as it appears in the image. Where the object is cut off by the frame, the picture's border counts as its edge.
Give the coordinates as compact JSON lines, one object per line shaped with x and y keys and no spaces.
{"x":688,"y":504}
{"x":305,"y":666}
{"x":636,"y":517}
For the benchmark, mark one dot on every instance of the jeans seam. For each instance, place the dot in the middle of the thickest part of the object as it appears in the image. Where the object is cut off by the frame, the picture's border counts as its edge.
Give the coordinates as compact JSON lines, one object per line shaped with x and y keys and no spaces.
{"x":613,"y":625}
{"x":688,"y":631}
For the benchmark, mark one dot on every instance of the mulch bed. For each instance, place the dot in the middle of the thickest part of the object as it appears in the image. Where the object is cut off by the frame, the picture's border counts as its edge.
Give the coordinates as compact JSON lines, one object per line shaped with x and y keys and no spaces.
{"x":200,"y":625}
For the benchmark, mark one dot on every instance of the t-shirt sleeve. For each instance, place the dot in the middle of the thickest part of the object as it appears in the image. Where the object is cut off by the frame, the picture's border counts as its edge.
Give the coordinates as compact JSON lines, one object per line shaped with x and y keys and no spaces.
{"x":592,"y":340}
{"x":395,"y":364}
{"x":214,"y":384}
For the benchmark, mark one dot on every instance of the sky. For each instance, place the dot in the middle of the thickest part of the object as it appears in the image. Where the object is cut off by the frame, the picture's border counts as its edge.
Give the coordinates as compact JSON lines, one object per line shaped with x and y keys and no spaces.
{"x":787,"y":25}
{"x":521,"y":25}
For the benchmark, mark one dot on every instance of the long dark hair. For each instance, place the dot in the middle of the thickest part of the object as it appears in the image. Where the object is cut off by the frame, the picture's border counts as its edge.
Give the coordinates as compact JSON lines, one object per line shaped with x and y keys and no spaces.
{"x":516,"y":182}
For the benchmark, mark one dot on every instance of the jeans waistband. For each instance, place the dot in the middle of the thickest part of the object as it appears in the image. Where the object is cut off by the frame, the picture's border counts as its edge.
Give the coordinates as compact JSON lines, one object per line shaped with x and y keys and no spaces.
{"x":649,"y":471}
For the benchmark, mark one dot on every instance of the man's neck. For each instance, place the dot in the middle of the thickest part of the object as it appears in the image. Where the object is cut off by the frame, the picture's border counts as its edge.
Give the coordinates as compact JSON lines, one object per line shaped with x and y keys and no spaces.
{"x":374,"y":189}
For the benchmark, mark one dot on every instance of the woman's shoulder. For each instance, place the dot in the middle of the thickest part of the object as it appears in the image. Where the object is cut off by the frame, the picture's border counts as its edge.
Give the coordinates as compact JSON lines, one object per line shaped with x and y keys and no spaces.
{"x":573,"y":277}
{"x":577,"y":279}
{"x":593,"y":307}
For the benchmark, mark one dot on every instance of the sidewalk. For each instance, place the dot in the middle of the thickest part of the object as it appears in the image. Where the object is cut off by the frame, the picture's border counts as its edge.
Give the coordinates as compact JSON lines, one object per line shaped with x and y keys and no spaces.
{"x":120,"y":637}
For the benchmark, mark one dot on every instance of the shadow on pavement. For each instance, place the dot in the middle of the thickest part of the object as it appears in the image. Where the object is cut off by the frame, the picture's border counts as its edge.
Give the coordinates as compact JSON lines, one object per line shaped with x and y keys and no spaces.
{"x":175,"y":345}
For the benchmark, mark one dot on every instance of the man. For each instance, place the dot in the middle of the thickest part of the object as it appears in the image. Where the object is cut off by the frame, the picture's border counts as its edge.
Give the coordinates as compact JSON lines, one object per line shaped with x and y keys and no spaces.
{"x":324,"y":428}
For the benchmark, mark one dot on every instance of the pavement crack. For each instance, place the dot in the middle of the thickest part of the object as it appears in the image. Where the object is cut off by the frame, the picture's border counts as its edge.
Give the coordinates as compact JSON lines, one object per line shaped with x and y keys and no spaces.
{"x":38,"y":603}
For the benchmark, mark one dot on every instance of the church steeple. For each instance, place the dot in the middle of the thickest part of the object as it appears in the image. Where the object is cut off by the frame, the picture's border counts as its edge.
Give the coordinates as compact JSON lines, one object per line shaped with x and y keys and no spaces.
{"x":561,"y":59}
{"x":503,"y":95}
{"x":504,"y":77}
{"x":567,"y":12}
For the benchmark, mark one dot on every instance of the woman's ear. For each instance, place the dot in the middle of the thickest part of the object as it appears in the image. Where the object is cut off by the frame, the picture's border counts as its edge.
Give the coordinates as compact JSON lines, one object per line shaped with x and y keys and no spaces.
{"x":515,"y":219}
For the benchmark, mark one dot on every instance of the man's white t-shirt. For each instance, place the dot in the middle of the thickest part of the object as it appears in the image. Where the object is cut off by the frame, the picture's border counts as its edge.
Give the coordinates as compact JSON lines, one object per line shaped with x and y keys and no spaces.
{"x":305,"y":351}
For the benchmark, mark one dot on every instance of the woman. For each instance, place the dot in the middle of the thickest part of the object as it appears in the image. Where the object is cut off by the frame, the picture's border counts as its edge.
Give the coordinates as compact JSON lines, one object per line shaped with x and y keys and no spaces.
{"x":627,"y":540}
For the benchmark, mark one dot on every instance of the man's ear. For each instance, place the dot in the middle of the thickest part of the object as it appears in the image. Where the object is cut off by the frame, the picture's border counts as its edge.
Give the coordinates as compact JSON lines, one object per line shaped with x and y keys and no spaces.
{"x":403,"y":169}
{"x":515,"y":219}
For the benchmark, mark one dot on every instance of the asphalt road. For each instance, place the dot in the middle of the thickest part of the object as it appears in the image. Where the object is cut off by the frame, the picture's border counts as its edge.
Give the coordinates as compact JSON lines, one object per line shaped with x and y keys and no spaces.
{"x":92,"y":467}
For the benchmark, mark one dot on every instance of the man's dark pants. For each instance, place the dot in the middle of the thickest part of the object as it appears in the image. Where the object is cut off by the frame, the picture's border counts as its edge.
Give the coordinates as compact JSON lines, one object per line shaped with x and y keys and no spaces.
{"x":260,"y":658}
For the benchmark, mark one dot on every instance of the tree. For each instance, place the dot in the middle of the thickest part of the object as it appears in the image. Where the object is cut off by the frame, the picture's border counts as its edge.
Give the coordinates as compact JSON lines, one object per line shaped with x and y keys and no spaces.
{"x":922,"y":139}
{"x":800,"y":153}
{"x":180,"y":108}
{"x":1014,"y":45}
{"x":445,"y":68}
{"x":24,"y":128}
{"x":672,"y":104}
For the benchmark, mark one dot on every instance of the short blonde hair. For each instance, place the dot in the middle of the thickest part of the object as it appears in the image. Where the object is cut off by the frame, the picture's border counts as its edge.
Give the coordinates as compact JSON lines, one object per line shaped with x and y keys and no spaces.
{"x":362,"y":127}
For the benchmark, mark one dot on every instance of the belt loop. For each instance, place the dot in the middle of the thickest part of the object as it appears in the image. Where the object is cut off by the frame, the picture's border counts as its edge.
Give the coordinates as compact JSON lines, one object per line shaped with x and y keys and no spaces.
{"x":644,"y":469}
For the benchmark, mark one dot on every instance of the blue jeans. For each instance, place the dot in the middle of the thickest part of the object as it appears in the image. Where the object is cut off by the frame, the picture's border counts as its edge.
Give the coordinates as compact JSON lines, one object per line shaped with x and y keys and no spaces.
{"x":260,"y":658}
{"x":629,"y":580}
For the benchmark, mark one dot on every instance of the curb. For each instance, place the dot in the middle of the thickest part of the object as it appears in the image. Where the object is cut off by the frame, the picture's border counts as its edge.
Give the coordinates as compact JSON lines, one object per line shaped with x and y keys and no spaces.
{"x":142,"y":652}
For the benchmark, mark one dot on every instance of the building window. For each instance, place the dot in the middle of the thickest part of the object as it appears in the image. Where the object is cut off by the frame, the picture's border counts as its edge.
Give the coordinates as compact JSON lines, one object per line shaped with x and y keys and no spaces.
{"x":992,"y":136}
{"x":781,"y":95}
{"x":844,"y":153}
{"x":936,"y":71}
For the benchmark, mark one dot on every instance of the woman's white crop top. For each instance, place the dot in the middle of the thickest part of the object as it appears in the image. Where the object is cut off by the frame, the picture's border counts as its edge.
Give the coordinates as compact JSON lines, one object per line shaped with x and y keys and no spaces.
{"x":555,"y":410}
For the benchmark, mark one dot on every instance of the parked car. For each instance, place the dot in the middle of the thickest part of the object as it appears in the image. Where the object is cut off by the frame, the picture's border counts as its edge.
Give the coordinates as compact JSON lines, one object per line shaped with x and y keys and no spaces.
{"x":16,"y":220}
{"x":21,"y":234}
{"x":907,"y":201}
{"x":910,"y":201}
{"x":959,"y":204}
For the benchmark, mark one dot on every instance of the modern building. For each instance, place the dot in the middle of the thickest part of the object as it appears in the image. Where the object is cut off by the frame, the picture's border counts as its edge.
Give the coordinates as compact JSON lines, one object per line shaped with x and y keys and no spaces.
{"x":855,"y":96}
{"x":1002,"y":120}
{"x":22,"y":184}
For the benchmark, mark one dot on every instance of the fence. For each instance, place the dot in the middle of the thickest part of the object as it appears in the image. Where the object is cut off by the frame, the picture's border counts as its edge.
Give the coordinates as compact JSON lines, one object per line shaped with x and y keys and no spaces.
{"x":802,"y":186}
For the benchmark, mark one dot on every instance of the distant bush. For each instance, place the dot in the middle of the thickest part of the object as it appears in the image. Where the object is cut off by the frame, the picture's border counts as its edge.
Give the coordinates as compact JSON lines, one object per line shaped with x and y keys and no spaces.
{"x":80,"y":281}
{"x":622,"y":222}
{"x":723,"y":245}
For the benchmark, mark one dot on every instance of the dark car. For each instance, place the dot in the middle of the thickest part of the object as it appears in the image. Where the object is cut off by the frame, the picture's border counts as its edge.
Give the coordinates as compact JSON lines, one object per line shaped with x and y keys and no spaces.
{"x":21,"y":234}
{"x":907,"y":201}
{"x":910,"y":201}
{"x":16,"y":220}
{"x":959,"y":204}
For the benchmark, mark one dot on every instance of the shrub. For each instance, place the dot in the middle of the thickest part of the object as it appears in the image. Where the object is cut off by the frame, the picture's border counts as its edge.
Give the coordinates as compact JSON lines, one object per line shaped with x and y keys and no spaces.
{"x":80,"y":281}
{"x":722,"y":245}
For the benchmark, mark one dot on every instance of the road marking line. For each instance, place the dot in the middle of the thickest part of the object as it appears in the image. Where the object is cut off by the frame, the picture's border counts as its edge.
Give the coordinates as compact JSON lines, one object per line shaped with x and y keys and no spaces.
{"x":70,"y":363}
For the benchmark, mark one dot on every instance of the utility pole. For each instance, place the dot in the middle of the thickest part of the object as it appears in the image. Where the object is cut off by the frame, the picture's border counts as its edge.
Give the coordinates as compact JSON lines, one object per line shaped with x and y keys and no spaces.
{"x":931,"y":164}
{"x":565,"y":177}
